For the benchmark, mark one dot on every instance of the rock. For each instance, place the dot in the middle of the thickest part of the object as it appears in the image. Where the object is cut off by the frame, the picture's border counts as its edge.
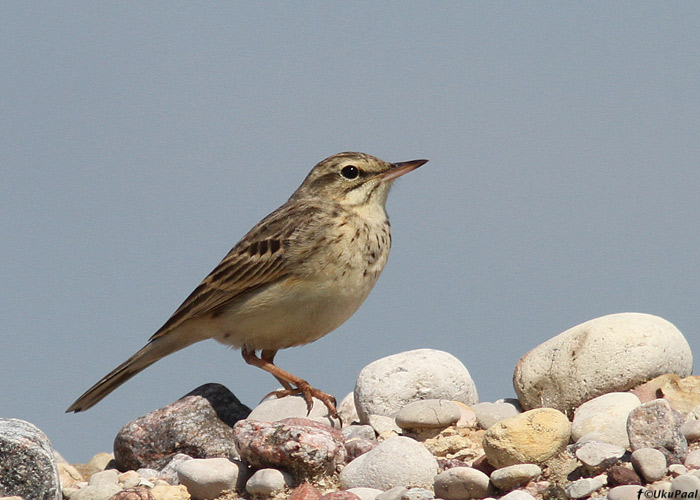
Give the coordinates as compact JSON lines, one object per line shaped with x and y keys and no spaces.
{"x":417,"y":494}
{"x":597,"y":455}
{"x":199,"y":425}
{"x":100,"y":461}
{"x":488,"y":414}
{"x":620,"y":475}
{"x":169,"y":472}
{"x":102,"y":491}
{"x":518,"y":495}
{"x":584,"y":487}
{"x":531,"y":437}
{"x":358,"y":446}
{"x":467,"y":417}
{"x":605,"y":415}
{"x":395,"y":493}
{"x":398,"y":461}
{"x":656,"y":425}
{"x":461,"y":483}
{"x":69,"y":476}
{"x":305,"y":491}
{"x":611,"y":354}
{"x":688,"y":484}
{"x":365,"y":493}
{"x":165,"y":491}
{"x":110,"y":476}
{"x":683,"y":394}
{"x":649,"y":463}
{"x":268,"y":482}
{"x":691,"y":430}
{"x":692,"y":460}
{"x":295,"y":444}
{"x":139,"y":493}
{"x":340,"y":495}
{"x":27,"y":462}
{"x":347,"y":411}
{"x":383,"y":425}
{"x":207,"y":478}
{"x":627,"y":492}
{"x":513,"y":476}
{"x":428,"y":414}
{"x":385,"y":386}
{"x":358,"y":431}
{"x":273,"y":410}
{"x":676,"y":470}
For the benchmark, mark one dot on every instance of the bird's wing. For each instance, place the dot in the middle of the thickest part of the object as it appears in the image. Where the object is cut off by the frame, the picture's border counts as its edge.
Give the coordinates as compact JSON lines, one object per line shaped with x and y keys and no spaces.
{"x":257,"y":260}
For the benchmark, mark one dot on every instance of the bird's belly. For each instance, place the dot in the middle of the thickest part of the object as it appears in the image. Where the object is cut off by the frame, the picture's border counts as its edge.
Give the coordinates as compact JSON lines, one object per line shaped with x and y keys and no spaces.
{"x":291,"y":313}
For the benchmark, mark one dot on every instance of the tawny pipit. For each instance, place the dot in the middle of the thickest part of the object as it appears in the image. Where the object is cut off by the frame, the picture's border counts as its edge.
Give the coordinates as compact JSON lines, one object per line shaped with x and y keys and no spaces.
{"x":296,"y":276}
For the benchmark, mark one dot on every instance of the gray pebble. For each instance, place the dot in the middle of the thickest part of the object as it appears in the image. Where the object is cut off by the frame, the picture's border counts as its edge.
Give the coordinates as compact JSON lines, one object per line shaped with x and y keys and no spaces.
{"x":606,"y":416}
{"x":365,"y":493}
{"x":584,"y":487}
{"x":273,"y":409}
{"x":599,"y":455}
{"x":461,"y":483}
{"x":358,"y":431}
{"x":207,"y":478}
{"x":169,"y":472}
{"x":382,"y":424}
{"x":347,"y":411}
{"x":110,"y":476}
{"x":649,"y":463}
{"x":101,"y":491}
{"x":268,"y":482}
{"x":488,"y":414}
{"x":677,"y":470}
{"x":394,"y":493}
{"x":692,"y":460}
{"x":691,"y":430}
{"x":428,"y":414}
{"x":398,"y":461}
{"x":417,"y":494}
{"x":687,"y":483}
{"x":518,"y":495}
{"x":507,"y":478}
{"x":656,"y":424}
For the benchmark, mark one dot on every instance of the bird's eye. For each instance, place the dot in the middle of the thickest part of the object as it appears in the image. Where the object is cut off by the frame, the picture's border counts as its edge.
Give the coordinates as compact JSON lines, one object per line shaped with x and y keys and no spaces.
{"x":350,"y":172}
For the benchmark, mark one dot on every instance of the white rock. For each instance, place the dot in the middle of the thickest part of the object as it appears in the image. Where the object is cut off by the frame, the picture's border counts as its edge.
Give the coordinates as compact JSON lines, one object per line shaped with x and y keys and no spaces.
{"x":610,"y":353}
{"x":395,"y":493}
{"x":385,"y":386}
{"x":268,"y":482}
{"x":273,"y":409}
{"x":358,"y":432}
{"x":461,"y":483}
{"x":687,"y":483}
{"x":626,"y":492}
{"x":605,"y":415}
{"x":207,"y":478}
{"x":382,"y":424}
{"x":488,"y":414}
{"x":692,"y":460}
{"x":428,"y":414}
{"x":584,"y":487}
{"x":599,"y":455}
{"x":110,"y":476}
{"x":649,"y":463}
{"x":347,"y":411}
{"x":365,"y":493}
{"x":518,"y":495}
{"x":100,"y":491}
{"x":398,"y":461}
{"x":691,"y":430}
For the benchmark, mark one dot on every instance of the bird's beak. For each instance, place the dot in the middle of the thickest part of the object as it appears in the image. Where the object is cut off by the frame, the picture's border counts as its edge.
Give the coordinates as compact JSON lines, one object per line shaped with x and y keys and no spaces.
{"x":404,"y":167}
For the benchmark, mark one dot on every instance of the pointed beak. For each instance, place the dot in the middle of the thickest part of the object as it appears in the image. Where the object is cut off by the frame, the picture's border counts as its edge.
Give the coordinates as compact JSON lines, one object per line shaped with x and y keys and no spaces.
{"x":404,"y":167}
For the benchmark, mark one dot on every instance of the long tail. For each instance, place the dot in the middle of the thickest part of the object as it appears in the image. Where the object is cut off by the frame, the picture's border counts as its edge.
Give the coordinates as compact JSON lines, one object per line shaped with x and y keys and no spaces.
{"x":149,"y":354}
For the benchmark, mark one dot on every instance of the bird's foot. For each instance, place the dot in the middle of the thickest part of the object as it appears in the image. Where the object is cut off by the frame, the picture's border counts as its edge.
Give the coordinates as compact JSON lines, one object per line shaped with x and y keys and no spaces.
{"x":304,"y":389}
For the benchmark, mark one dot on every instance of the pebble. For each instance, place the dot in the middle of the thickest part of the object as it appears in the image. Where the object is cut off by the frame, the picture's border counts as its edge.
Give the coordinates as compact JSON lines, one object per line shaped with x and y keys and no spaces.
{"x":488,"y":414}
{"x":467,"y":418}
{"x":530,"y":437}
{"x":428,"y":414}
{"x":417,"y":494}
{"x":268,"y":482}
{"x":621,"y":475}
{"x":385,"y":386}
{"x":514,"y":476}
{"x":100,"y":461}
{"x":165,"y":491}
{"x":140,"y":493}
{"x":110,"y":476}
{"x":69,"y":476}
{"x":365,"y":493}
{"x":395,"y":493}
{"x":358,"y":431}
{"x":606,"y":416}
{"x":295,"y":443}
{"x":169,"y":472}
{"x":383,"y":425}
{"x":683,"y":394}
{"x":677,"y":470}
{"x":692,"y":460}
{"x":347,"y":410}
{"x":686,"y":483}
{"x":398,"y":461}
{"x":626,"y":492}
{"x":518,"y":495}
{"x":305,"y":491}
{"x":461,"y":483}
{"x":649,"y":463}
{"x":691,"y":430}
{"x":358,"y":446}
{"x":656,"y":424}
{"x":27,"y":452}
{"x":596,"y":455}
{"x":199,"y":422}
{"x":102,"y":491}
{"x":340,"y":495}
{"x":584,"y":487}
{"x":612,"y":354}
{"x":274,"y":409}
{"x":207,"y":478}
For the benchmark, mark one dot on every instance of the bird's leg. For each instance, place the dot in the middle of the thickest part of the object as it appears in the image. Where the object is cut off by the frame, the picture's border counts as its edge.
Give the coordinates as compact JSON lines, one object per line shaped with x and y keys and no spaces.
{"x":291,"y":383}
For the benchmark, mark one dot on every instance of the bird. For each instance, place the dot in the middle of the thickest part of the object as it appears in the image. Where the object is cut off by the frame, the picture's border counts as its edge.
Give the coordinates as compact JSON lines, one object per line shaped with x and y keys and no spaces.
{"x":297,"y":275}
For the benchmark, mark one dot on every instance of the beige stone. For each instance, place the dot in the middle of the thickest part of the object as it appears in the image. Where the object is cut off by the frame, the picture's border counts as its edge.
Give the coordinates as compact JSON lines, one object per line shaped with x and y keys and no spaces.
{"x":683,"y":394}
{"x":530,"y":437}
{"x":165,"y":491}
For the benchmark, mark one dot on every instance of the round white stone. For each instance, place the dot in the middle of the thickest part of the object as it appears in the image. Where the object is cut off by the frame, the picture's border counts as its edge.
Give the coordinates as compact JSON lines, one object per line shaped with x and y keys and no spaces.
{"x":398,"y":461}
{"x":207,"y":478}
{"x":428,"y":414}
{"x":385,"y":386}
{"x":461,"y":483}
{"x":649,"y":463}
{"x":607,"y":354}
{"x":268,"y":482}
{"x":605,"y":415}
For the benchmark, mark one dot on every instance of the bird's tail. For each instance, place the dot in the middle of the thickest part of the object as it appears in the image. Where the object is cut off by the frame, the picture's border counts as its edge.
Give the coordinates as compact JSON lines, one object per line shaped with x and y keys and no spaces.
{"x":156,"y":349}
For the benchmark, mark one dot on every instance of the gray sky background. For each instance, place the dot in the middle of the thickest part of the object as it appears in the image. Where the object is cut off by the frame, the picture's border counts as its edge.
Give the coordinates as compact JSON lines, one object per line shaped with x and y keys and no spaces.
{"x":140,"y":141}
